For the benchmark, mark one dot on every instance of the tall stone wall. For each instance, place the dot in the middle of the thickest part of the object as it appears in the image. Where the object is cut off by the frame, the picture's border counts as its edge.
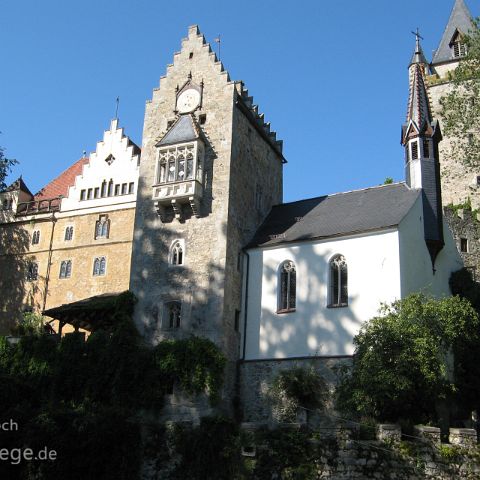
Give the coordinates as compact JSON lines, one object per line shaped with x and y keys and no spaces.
{"x":459,"y":181}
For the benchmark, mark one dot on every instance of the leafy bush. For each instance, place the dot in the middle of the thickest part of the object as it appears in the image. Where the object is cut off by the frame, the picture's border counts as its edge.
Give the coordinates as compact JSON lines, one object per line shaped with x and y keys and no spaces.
{"x":295,"y":388}
{"x":400,"y":368}
{"x":82,"y":398}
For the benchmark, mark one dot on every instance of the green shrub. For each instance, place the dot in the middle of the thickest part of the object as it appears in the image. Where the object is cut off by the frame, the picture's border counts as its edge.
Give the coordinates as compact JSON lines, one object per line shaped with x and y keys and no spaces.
{"x":400,"y":368}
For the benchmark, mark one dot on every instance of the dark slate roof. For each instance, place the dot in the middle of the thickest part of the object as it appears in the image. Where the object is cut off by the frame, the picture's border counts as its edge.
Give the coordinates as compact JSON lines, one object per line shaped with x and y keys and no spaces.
{"x":18,"y":184}
{"x":461,"y":20}
{"x":185,"y":129}
{"x":335,"y":215}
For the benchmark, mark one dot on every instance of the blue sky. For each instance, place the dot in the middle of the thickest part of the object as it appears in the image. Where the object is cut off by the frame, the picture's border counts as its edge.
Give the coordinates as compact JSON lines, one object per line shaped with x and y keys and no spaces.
{"x":331,"y":77}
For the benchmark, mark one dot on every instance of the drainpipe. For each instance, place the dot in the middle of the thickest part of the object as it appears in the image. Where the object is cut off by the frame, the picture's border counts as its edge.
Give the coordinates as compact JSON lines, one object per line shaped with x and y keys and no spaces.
{"x":246,"y":305}
{"x":49,"y":264}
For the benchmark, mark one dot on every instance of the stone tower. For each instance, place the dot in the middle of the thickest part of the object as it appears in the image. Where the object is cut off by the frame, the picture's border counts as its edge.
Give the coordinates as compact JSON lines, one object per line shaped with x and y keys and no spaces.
{"x":459,"y":182}
{"x":211,"y":170}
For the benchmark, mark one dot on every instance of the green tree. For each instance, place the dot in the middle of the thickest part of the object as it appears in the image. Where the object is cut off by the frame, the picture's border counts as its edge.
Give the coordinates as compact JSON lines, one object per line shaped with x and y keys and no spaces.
{"x":461,"y":107}
{"x":6,"y":165}
{"x":401,"y":367}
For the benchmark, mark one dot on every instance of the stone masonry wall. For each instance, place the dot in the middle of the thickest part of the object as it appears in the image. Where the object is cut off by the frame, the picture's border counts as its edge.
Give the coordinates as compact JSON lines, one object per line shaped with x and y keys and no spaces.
{"x":16,"y":293}
{"x":466,"y":225}
{"x":256,"y":376}
{"x":459,"y":182}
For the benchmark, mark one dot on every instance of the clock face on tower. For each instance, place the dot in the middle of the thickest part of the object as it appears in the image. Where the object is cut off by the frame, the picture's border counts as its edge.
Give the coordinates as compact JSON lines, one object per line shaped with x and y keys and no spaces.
{"x":188,"y":100}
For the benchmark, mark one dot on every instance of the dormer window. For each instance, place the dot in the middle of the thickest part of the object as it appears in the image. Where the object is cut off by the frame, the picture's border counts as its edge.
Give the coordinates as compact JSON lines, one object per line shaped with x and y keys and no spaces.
{"x":459,"y":48}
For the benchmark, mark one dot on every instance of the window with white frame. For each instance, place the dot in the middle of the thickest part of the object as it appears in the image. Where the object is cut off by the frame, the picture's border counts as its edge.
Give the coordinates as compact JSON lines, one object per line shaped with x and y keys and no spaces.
{"x":99,"y":266}
{"x":176,"y":164}
{"x":65,"y":269}
{"x":173,"y":314}
{"x":68,"y":233}
{"x":36,"y":237}
{"x":287,"y":295}
{"x":32,"y":271}
{"x":177,"y":253}
{"x":338,"y":282}
{"x":102,"y":227}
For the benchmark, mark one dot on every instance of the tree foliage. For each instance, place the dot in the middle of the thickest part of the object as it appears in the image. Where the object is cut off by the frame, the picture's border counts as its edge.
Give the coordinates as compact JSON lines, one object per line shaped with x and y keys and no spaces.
{"x":82,"y":399}
{"x":461,"y":107}
{"x":6,"y":165}
{"x":401,"y":363}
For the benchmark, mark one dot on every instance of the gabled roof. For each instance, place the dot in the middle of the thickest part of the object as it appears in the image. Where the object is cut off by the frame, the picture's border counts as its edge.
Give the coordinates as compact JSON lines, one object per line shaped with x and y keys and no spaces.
{"x":185,"y":129}
{"x":18,"y":184}
{"x":460,"y":20}
{"x":335,"y":215}
{"x":61,"y":184}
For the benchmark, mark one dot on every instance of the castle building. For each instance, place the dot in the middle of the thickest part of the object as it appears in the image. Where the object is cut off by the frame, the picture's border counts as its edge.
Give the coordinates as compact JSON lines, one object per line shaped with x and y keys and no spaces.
{"x":197,"y":230}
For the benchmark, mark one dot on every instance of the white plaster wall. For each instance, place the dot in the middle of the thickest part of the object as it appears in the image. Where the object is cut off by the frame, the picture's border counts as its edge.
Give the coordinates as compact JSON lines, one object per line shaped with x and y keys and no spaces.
{"x":416,"y":266}
{"x":314,"y":329}
{"x":124,"y":169}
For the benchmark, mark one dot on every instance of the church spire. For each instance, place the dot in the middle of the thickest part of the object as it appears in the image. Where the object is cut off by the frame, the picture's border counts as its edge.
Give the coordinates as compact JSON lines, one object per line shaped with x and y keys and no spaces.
{"x":459,"y":23}
{"x":420,"y":137}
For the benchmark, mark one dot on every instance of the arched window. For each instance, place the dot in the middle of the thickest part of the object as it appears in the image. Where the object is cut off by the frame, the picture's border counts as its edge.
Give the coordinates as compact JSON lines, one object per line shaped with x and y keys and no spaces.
{"x":102,"y":227}
{"x":68,"y":233}
{"x":173,"y":314}
{"x":338,"y":295}
{"x":65,"y":269}
{"x":176,"y":253}
{"x":99,"y":265}
{"x":32,"y":271}
{"x":36,"y":237}
{"x":287,"y":288}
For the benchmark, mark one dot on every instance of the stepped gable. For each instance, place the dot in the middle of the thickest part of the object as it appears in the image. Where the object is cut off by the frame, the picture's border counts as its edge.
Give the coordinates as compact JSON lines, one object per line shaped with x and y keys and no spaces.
{"x":244,"y":101}
{"x":345,"y":213}
{"x":460,"y":21}
{"x":61,"y":184}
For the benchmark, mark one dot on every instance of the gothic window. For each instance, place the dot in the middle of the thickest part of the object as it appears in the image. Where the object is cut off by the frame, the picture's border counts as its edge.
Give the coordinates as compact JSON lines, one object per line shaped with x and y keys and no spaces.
{"x":102,"y":227}
{"x":287,"y":288}
{"x":414,"y":150}
{"x":36,"y":237}
{"x":426,"y":148}
{"x":99,"y":266}
{"x":32,"y":271}
{"x":176,"y":164}
{"x":110,"y":188}
{"x":338,"y":282}
{"x":68,"y":233}
{"x":65,"y":269}
{"x":173,"y":314}
{"x":177,"y":253}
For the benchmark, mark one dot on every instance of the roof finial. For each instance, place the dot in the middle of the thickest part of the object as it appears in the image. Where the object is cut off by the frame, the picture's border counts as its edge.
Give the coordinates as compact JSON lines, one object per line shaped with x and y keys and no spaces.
{"x":219,"y":41}
{"x":117,"y":101}
{"x":418,"y":56}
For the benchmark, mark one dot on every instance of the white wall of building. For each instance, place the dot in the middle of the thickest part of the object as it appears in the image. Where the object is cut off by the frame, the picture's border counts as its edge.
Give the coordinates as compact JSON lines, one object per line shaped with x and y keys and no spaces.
{"x":123,"y":170}
{"x":416,"y":266}
{"x":313,"y":329}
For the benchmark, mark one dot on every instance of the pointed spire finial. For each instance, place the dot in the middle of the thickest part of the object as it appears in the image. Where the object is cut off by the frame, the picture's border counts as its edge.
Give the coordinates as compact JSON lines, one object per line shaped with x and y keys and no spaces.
{"x":116,"y":107}
{"x":418,"y":56}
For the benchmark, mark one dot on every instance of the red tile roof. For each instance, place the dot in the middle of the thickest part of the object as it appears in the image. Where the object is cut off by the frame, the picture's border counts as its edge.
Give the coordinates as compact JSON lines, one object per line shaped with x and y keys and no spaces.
{"x":60,"y":185}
